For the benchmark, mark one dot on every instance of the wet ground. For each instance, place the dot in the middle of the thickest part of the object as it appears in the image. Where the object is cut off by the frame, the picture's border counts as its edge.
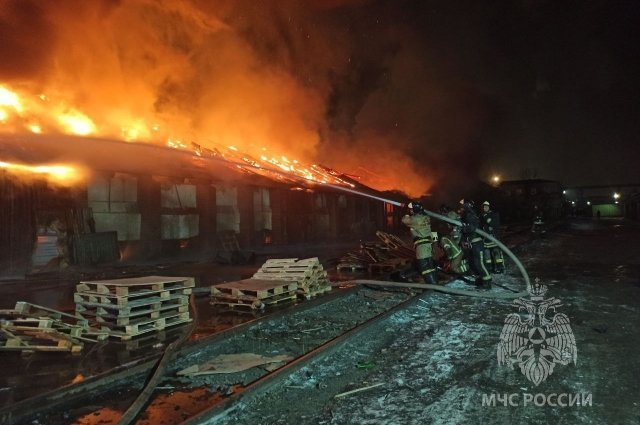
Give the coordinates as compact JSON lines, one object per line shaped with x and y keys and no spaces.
{"x":55,"y":290}
{"x":437,"y":361}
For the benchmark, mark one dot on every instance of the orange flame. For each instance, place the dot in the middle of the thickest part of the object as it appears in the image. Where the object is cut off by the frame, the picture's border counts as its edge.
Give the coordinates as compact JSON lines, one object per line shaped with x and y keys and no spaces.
{"x":175,"y":72}
{"x":60,"y":174}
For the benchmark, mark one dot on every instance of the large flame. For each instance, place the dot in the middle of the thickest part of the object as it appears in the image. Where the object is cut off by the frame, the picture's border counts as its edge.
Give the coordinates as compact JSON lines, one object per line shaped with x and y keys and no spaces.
{"x":184,"y":74}
{"x":56,"y":173}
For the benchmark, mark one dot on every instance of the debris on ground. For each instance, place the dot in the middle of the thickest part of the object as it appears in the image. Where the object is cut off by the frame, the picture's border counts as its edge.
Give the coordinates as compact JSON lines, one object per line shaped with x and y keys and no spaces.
{"x":30,"y":327}
{"x":388,"y":254}
{"x":231,"y":363}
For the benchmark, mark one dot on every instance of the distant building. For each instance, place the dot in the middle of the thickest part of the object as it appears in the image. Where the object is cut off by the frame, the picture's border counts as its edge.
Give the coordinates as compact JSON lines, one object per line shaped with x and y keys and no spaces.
{"x":523,"y":196}
{"x":612,"y":200}
{"x":632,"y":206}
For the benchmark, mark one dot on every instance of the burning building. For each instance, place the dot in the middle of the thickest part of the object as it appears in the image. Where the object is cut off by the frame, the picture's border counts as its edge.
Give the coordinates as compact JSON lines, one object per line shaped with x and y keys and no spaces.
{"x":253,"y":85}
{"x":114,"y":200}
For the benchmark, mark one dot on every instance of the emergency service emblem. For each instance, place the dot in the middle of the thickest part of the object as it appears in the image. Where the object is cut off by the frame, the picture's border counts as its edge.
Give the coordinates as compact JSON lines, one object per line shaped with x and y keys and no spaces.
{"x":535,"y":342}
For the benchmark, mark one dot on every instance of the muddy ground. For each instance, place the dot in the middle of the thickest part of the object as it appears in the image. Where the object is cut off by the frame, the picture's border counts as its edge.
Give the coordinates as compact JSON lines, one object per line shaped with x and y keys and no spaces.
{"x":436,"y":360}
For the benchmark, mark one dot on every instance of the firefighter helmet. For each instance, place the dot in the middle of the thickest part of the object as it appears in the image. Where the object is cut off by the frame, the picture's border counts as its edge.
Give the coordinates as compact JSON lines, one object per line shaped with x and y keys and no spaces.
{"x":416,"y":207}
{"x":466,"y":203}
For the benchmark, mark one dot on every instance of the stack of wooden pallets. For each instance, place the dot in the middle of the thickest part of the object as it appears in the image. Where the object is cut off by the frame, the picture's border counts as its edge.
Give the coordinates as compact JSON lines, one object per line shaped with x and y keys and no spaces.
{"x":252,"y":294}
{"x":308,"y":274}
{"x":129,"y":307}
{"x":30,"y":327}
{"x":390,"y":254}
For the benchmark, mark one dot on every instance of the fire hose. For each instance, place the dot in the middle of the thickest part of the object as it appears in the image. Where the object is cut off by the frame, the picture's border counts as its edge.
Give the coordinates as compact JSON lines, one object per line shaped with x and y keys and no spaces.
{"x":134,"y":410}
{"x":444,"y":289}
{"x":499,"y":244}
{"x":485,"y":235}
{"x":141,"y":401}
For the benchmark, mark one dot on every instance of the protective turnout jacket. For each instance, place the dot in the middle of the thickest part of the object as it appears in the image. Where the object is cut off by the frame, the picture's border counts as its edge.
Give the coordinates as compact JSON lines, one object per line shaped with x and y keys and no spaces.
{"x":420,"y":226}
{"x":491,"y":223}
{"x":470,"y":222}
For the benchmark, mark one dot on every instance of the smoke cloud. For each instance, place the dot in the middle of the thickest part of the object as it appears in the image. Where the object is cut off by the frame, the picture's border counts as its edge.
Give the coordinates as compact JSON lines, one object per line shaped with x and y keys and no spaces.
{"x":354,"y":85}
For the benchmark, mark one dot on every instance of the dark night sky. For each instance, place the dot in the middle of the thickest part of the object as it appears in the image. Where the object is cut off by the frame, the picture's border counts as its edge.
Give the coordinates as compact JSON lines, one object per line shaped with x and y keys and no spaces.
{"x":465,"y":88}
{"x":554,"y":84}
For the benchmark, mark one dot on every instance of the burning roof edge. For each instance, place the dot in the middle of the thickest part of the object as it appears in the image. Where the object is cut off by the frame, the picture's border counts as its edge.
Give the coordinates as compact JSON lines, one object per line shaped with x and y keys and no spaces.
{"x":109,"y":155}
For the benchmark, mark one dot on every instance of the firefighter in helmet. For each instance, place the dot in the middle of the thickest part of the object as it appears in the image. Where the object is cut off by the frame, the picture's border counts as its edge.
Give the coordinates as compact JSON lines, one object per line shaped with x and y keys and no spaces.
{"x":450,"y":243}
{"x":473,"y":242}
{"x":420,"y":225}
{"x":493,"y":259}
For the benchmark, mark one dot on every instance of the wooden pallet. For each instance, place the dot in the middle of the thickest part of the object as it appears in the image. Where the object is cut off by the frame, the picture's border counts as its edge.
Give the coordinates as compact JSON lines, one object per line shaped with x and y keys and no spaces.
{"x":350,"y":267}
{"x":92,"y":305}
{"x":308,"y":274}
{"x":256,"y":288}
{"x":146,"y":325}
{"x":88,"y":298}
{"x":28,"y":317}
{"x":36,"y":339}
{"x":291,"y":261}
{"x":389,"y":265}
{"x":125,"y":308}
{"x":311,"y":292}
{"x":291,"y":265}
{"x":141,"y":286}
{"x":251,"y":303}
{"x":299,"y":276}
{"x":118,"y":319}
{"x":33,"y":310}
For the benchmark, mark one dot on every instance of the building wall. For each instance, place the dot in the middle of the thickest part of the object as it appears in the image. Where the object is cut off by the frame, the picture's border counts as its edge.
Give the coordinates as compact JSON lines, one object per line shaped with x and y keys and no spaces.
{"x":206,"y":201}
{"x":149,"y":205}
{"x":156,"y":217}
{"x":607,"y":210}
{"x":227,"y":211}
{"x":522,"y":197}
{"x":17,"y":224}
{"x":114,"y":201}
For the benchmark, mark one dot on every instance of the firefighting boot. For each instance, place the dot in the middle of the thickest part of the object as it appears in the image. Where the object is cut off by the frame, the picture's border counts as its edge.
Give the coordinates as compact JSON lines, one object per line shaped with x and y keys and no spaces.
{"x":428,"y":270}
{"x":498,"y":263}
{"x":483,"y":282}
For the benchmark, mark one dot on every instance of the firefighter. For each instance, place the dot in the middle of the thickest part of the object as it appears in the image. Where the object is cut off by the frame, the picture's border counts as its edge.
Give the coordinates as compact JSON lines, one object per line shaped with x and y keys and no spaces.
{"x":538,"y":222}
{"x":493,"y":259}
{"x":420,"y":225}
{"x":473,"y":242}
{"x":450,"y":243}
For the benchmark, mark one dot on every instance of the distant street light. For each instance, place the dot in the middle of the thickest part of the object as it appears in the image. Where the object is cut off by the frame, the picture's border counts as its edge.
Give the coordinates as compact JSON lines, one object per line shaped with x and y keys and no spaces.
{"x":495,"y":179}
{"x":616,"y":195}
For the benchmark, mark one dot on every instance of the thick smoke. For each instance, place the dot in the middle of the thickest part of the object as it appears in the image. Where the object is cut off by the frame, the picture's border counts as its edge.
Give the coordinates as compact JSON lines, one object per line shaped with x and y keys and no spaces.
{"x":353,"y":85}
